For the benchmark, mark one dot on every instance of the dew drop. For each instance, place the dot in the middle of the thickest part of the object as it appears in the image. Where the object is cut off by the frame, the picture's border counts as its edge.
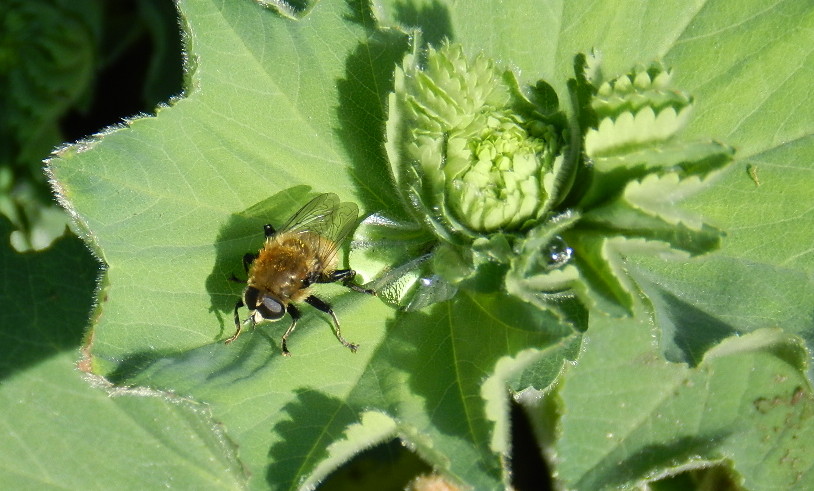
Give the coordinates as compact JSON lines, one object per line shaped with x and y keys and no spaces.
{"x":557,"y":253}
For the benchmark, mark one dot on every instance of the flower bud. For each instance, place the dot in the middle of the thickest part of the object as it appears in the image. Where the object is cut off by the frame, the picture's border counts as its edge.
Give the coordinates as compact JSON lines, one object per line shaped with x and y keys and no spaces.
{"x":461,"y":151}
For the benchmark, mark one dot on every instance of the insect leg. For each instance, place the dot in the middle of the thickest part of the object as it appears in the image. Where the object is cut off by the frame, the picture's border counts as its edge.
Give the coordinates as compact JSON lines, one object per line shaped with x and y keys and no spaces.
{"x":248,"y":259}
{"x":353,"y":286}
{"x":324,"y":307}
{"x":237,"y":322}
{"x":294,"y":312}
{"x":337,"y":275}
{"x":346,"y":277}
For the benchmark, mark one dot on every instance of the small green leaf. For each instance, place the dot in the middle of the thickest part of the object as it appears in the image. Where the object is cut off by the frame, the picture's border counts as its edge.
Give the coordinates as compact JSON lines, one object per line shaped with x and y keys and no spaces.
{"x":628,"y":220}
{"x":603,"y":283}
{"x":631,"y":130}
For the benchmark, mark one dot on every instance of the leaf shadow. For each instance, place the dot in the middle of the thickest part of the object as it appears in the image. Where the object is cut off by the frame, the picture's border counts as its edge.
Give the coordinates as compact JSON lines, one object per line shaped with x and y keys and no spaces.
{"x":613,"y":471}
{"x":687,"y":331}
{"x":301,"y":439}
{"x":209,"y":365}
{"x":46,"y":298}
{"x":432,"y":18}
{"x":694,"y":331}
{"x":362,"y":113}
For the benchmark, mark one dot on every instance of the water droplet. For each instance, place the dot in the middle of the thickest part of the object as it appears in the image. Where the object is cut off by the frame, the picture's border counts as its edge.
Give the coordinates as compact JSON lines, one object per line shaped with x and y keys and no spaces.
{"x":557,"y":253}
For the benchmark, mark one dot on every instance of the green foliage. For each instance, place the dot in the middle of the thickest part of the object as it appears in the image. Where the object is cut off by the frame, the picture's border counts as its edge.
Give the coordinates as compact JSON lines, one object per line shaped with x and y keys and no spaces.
{"x":756,"y":407}
{"x":62,"y":432}
{"x":47,"y":60}
{"x":711,"y":369}
{"x":494,"y":174}
{"x":59,"y":61}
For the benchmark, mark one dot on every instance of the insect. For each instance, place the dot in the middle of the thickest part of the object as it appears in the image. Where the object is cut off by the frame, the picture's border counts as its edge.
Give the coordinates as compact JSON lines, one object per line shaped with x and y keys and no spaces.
{"x":752,"y":171}
{"x":292,"y":259}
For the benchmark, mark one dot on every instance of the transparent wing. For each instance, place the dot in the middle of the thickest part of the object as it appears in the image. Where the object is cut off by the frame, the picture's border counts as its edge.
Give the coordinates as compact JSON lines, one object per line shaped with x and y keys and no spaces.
{"x":324,"y":216}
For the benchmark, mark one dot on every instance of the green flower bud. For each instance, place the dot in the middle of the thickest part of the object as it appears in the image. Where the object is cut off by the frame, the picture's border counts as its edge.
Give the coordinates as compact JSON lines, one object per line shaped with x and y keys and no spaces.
{"x":461,"y":152}
{"x":494,"y":176}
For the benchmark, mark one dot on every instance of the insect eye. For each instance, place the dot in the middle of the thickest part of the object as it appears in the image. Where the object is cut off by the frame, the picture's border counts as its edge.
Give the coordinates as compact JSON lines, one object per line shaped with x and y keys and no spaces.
{"x":271,"y":308}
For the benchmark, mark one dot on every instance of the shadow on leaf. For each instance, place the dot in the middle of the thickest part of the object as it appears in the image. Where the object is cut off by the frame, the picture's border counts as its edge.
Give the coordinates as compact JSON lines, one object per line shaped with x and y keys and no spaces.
{"x":211,"y":365}
{"x":362,"y":107}
{"x":613,"y":472}
{"x":696,"y":331}
{"x":432,"y":19}
{"x":302,"y":444}
{"x":43,"y":313}
{"x":687,"y":331}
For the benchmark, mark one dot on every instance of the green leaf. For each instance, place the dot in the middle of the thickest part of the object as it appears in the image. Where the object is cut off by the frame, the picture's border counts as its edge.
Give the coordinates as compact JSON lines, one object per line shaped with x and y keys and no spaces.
{"x":685,"y":158}
{"x":172,"y":202}
{"x":750,"y":85}
{"x":769,"y":223}
{"x":428,"y":353}
{"x":693,"y":316}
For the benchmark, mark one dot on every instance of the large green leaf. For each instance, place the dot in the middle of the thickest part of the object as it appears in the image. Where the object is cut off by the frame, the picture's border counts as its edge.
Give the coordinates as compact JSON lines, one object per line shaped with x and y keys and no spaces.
{"x":279,"y":107}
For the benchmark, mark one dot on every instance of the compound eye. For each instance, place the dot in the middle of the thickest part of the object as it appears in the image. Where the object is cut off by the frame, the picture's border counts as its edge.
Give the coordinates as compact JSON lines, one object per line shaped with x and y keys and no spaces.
{"x":271,"y":308}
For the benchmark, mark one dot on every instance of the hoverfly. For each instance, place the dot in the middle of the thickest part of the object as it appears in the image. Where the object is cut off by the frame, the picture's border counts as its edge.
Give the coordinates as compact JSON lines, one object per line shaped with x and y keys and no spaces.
{"x":302,"y":253}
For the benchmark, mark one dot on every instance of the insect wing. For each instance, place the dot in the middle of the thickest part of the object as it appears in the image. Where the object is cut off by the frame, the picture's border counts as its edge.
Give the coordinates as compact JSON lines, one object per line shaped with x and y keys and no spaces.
{"x":314,"y":212}
{"x":327,"y":217}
